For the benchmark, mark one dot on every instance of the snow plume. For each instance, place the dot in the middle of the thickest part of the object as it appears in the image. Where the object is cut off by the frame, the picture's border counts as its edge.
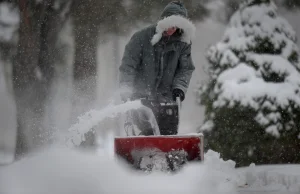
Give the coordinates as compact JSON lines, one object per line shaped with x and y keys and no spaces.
{"x":65,"y":171}
{"x":114,"y":113}
{"x":185,"y":24}
{"x":92,"y":118}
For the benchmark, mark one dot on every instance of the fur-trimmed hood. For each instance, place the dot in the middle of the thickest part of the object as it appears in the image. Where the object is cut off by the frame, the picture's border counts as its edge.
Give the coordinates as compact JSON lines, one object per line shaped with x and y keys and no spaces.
{"x":175,"y":15}
{"x":181,"y":22}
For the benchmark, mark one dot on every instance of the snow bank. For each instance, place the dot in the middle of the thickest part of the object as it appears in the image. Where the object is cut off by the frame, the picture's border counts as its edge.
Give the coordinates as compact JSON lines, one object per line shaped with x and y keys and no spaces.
{"x":214,"y":161}
{"x":62,"y":170}
{"x":272,"y":178}
{"x":66,"y":171}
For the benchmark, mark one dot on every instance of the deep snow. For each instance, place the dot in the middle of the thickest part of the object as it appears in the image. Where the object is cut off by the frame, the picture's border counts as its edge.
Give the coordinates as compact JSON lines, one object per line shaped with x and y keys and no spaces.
{"x":271,"y":179}
{"x":61,"y":170}
{"x":65,"y":171}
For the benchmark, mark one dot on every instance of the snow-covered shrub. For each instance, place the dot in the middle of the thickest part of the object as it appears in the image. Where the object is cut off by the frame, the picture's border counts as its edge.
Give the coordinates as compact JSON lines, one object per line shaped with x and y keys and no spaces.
{"x":9,"y":24}
{"x":252,"y":99}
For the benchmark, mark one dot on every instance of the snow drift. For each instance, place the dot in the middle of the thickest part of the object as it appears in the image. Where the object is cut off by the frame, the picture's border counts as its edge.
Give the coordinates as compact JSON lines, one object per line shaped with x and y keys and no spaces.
{"x":65,"y":171}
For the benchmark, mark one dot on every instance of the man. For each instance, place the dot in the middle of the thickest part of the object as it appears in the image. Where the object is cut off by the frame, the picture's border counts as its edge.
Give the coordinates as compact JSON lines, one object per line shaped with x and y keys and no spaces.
{"x":157,"y":64}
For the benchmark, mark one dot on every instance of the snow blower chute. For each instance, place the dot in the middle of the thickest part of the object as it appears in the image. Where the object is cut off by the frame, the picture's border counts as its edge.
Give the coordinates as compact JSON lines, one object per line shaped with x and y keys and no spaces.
{"x":156,"y":150}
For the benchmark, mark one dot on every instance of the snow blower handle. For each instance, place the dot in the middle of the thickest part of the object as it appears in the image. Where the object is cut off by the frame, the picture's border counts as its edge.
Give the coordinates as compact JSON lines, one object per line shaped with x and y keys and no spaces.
{"x":178,"y":102}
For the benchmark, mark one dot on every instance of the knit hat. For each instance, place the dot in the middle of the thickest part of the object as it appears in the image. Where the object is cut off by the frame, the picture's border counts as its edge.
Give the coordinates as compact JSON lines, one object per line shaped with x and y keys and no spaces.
{"x":174,"y":8}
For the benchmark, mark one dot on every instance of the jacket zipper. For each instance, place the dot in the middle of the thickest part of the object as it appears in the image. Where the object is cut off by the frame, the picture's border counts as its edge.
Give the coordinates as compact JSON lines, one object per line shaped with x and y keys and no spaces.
{"x":161,"y":67}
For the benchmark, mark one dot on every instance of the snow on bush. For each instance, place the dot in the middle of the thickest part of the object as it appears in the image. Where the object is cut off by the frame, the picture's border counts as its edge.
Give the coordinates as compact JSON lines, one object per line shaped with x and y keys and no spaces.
{"x":255,"y":66}
{"x":9,"y":21}
{"x":66,"y":171}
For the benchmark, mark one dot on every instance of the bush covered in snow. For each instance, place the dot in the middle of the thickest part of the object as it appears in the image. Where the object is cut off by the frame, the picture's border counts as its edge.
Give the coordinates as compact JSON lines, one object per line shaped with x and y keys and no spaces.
{"x":9,"y":23}
{"x":252,"y":99}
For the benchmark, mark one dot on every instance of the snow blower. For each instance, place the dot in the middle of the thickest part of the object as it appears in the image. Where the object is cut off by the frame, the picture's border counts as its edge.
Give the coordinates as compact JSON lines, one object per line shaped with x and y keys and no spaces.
{"x":156,"y":151}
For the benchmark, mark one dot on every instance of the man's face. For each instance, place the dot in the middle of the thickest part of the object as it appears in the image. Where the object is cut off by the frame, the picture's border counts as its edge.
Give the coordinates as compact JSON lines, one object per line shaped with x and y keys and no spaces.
{"x":170,"y":31}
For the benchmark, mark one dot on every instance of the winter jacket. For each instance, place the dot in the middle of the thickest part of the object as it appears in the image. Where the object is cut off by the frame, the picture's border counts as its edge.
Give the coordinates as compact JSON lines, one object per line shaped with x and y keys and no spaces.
{"x":154,"y":65}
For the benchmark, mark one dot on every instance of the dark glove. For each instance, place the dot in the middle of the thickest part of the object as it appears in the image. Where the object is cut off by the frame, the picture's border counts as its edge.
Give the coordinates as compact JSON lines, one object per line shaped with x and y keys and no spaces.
{"x":178,"y":93}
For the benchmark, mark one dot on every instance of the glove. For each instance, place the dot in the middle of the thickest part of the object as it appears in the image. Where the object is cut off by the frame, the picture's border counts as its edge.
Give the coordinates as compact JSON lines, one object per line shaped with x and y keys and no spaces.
{"x":178,"y":93}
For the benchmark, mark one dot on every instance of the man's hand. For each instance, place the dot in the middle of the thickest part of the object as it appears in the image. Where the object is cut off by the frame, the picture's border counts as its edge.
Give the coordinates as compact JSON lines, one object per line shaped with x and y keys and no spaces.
{"x":178,"y":93}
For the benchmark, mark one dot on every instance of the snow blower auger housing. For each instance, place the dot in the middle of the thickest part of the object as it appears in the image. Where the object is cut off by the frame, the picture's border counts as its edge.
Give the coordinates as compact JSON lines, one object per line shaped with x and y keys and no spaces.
{"x":160,"y":152}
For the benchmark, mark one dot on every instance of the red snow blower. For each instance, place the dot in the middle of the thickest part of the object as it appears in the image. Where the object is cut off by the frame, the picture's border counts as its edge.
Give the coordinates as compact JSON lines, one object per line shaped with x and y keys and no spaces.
{"x":160,"y":152}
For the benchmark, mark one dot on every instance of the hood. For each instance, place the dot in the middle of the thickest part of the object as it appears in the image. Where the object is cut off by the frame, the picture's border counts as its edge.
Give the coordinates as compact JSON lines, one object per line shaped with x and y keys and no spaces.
{"x":175,"y":14}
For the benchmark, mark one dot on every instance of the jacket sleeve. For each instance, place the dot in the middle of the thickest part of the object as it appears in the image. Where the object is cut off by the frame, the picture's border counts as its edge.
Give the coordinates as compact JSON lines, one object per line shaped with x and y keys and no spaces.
{"x":184,"y":70}
{"x":128,"y":70}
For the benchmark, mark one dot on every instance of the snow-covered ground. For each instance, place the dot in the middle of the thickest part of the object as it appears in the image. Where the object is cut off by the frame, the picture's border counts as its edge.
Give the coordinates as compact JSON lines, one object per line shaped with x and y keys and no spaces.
{"x":60,"y":170}
{"x":273,"y":179}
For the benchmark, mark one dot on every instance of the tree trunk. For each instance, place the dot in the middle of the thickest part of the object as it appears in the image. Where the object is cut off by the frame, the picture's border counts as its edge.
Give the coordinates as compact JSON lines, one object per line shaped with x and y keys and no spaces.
{"x":25,"y":78}
{"x":33,"y":70}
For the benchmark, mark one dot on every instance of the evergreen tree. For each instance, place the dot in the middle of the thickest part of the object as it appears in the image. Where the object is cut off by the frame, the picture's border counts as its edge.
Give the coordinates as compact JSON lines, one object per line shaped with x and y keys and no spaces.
{"x":291,"y":4}
{"x":252,"y":98}
{"x":232,"y":5}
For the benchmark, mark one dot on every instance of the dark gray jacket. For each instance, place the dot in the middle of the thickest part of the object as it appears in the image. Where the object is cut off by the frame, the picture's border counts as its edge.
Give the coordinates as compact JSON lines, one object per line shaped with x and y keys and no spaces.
{"x":154,"y":65}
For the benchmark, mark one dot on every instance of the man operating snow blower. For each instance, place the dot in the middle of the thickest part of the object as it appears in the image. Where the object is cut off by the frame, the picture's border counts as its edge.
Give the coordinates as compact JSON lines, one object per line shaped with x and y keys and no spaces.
{"x":157,"y":67}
